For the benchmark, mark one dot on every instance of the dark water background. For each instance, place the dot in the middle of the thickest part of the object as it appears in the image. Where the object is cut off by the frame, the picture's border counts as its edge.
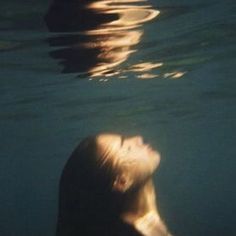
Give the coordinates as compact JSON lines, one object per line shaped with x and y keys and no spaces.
{"x":190,"y":118}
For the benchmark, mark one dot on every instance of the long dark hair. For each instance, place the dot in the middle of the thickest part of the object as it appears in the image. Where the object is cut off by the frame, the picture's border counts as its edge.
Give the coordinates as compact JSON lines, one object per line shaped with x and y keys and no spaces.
{"x":87,"y":205}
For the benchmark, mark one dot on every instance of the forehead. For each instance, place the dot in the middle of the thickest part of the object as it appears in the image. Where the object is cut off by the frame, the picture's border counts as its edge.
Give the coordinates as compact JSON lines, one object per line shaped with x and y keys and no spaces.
{"x":111,"y":142}
{"x":108,"y":146}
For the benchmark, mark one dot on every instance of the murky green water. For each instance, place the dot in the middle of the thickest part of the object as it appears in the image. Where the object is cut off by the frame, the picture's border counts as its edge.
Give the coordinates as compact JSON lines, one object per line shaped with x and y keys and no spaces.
{"x":171,"y":79}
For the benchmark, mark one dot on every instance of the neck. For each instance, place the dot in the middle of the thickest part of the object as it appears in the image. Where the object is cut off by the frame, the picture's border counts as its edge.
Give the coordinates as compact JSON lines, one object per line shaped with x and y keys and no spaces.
{"x":141,"y":212}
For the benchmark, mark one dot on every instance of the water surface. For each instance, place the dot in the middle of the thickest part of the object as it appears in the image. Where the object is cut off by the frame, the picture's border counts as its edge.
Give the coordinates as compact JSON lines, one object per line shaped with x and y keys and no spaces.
{"x":168,"y":75}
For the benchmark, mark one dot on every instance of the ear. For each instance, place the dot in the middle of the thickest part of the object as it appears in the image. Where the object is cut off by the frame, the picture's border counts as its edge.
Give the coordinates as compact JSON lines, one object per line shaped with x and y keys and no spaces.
{"x":121,"y":183}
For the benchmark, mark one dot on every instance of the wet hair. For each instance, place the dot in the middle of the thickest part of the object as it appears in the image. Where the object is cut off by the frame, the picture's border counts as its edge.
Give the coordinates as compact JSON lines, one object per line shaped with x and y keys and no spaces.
{"x":87,"y":204}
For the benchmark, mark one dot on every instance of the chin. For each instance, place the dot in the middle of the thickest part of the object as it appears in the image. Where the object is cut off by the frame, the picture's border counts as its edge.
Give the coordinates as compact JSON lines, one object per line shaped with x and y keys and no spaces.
{"x":156,"y":158}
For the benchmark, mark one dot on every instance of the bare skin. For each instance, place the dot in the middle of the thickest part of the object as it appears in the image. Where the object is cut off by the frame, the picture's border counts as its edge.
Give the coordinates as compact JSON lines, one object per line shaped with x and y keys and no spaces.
{"x":106,"y":188}
{"x":136,"y":162}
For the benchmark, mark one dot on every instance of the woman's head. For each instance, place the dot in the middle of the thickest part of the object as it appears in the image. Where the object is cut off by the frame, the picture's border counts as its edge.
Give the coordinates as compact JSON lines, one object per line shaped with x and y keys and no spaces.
{"x":99,"y":174}
{"x":129,"y":159}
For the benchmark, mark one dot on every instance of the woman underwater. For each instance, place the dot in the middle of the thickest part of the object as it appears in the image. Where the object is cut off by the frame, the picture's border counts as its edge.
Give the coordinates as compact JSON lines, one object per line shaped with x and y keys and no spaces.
{"x":106,"y":188}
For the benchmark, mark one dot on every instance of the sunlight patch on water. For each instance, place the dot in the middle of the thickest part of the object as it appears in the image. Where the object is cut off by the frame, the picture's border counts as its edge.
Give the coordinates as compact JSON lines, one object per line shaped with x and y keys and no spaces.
{"x":103,"y":44}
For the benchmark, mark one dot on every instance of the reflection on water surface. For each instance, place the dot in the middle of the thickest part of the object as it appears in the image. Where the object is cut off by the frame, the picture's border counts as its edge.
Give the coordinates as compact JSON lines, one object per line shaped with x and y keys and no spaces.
{"x":99,"y":36}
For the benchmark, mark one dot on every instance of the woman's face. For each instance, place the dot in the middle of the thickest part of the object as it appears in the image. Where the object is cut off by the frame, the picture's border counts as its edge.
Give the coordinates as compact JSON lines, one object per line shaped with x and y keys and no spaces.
{"x":131,"y":154}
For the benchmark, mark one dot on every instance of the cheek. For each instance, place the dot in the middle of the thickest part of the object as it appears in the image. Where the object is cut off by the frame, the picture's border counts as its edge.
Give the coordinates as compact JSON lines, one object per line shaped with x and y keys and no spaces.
{"x":156,"y":158}
{"x":152,"y":159}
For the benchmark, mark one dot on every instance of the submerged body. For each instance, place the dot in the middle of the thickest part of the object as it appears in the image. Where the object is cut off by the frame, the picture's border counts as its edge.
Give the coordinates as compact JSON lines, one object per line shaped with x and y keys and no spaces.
{"x":106,"y":189}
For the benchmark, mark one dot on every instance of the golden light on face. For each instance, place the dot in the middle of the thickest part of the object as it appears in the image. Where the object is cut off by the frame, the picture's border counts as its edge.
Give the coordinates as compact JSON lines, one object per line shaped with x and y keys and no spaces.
{"x":130,"y":156}
{"x":107,"y":184}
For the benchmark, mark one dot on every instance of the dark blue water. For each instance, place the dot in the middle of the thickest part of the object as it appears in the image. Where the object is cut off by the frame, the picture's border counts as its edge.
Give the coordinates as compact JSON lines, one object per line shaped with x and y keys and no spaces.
{"x":174,"y":84}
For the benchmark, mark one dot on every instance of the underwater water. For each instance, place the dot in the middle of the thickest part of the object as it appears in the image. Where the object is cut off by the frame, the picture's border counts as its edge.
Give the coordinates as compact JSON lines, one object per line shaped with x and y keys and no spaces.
{"x":162,"y":69}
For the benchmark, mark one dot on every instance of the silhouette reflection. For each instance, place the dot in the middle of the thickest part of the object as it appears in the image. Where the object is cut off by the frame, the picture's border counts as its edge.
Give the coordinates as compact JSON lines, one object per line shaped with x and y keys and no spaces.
{"x":106,"y":189}
{"x":95,"y":37}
